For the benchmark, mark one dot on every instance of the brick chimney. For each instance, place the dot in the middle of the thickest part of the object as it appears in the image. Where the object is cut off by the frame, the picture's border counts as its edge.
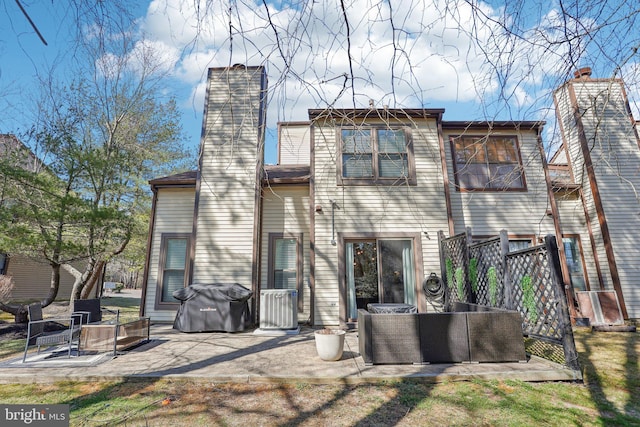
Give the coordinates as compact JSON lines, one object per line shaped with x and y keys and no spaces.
{"x":583,"y":73}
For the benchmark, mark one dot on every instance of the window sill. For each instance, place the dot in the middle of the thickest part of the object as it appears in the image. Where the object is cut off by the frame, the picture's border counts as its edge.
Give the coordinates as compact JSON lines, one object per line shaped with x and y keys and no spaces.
{"x":492,"y":190}
{"x":347,"y":182}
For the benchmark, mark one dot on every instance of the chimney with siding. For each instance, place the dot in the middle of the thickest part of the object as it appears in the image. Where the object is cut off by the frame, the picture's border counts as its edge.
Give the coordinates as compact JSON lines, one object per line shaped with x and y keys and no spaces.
{"x":227,"y":207}
{"x":602,"y":147}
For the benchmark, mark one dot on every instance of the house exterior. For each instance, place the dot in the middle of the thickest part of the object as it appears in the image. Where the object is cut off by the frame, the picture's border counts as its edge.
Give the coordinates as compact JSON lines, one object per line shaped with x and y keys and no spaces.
{"x":350,"y":214}
{"x":31,"y":276}
{"x":595,"y":178}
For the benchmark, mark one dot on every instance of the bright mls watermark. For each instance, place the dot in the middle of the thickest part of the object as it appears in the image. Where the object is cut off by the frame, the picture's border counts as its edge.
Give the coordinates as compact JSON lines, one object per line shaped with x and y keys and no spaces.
{"x":34,"y":415}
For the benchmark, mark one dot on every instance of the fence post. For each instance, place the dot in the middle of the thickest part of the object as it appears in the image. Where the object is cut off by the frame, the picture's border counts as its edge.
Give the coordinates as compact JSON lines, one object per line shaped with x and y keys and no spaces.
{"x":568,"y":343}
{"x":443,"y":269}
{"x":466,"y":259}
{"x":507,"y":301}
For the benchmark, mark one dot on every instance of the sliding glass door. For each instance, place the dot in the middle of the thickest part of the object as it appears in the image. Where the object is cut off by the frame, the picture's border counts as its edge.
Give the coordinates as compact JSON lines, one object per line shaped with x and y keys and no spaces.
{"x":379,"y":271}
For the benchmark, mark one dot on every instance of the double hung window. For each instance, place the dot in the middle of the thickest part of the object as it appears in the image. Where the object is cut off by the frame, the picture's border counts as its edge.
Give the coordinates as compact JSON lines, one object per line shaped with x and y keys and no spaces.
{"x":487,"y":163}
{"x":174,"y":267}
{"x":375,"y":155}
{"x":285,"y":264}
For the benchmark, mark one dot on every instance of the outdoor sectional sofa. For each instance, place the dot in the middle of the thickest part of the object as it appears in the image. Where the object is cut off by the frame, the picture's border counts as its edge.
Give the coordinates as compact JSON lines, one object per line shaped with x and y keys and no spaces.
{"x":468,"y":333}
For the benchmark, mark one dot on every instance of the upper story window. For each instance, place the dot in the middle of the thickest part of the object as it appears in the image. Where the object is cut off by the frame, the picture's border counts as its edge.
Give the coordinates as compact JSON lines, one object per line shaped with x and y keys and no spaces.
{"x":487,"y":163}
{"x":375,"y":156}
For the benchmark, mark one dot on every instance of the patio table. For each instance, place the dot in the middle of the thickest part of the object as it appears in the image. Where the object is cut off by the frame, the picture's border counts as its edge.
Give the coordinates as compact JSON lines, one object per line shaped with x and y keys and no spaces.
{"x":116,"y":336}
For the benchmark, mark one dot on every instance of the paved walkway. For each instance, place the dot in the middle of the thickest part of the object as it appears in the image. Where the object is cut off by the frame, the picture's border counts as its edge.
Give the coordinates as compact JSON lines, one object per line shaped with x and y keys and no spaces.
{"x":249,"y":357}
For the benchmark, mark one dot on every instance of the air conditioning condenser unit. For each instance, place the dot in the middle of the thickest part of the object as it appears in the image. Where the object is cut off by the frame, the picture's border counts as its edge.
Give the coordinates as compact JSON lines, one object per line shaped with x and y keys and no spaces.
{"x":278,"y":309}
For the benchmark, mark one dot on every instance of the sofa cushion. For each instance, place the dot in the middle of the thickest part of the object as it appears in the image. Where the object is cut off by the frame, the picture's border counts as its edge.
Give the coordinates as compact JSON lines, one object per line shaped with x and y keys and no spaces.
{"x":388,"y":338}
{"x":496,"y":336}
{"x":443,"y":337}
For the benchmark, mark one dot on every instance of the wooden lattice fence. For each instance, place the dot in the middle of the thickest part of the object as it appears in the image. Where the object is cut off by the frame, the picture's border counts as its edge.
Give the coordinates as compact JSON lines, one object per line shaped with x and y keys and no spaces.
{"x":528,"y":281}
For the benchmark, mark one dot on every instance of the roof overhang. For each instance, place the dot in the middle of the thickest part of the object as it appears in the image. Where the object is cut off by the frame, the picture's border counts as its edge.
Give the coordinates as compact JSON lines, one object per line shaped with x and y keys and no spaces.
{"x":376,"y":113}
{"x":494,"y":125}
{"x":286,"y":175}
{"x":184,"y":179}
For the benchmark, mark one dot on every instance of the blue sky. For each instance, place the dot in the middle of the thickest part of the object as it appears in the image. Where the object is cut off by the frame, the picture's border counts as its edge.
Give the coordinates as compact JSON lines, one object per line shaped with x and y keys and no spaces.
{"x":413,"y":54}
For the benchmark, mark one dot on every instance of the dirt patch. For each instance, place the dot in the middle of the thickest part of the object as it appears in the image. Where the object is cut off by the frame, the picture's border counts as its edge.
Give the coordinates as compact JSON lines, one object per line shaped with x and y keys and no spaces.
{"x":14,"y":331}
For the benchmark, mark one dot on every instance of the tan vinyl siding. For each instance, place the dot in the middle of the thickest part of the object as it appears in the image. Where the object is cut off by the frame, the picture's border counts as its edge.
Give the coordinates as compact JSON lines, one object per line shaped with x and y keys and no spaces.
{"x":570,"y":131}
{"x":398,"y":209}
{"x":294,"y":144}
{"x":286,"y":210}
{"x":32,"y":280}
{"x":615,"y":156}
{"x":573,"y":222}
{"x":518,"y":212}
{"x":174,"y":214}
{"x":231,"y":146}
{"x":560,"y":156}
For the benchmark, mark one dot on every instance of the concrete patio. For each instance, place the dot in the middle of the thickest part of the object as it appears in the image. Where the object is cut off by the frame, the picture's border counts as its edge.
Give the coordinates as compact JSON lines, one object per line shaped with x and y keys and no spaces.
{"x":249,"y":357}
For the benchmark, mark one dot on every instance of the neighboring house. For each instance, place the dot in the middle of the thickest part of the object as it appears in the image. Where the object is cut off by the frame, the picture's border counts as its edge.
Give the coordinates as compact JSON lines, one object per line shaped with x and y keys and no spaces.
{"x":31,"y":277}
{"x":352,"y":211}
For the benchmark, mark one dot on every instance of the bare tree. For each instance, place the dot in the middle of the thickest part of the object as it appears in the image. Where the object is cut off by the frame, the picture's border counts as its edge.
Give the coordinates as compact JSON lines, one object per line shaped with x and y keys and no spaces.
{"x":100,"y":135}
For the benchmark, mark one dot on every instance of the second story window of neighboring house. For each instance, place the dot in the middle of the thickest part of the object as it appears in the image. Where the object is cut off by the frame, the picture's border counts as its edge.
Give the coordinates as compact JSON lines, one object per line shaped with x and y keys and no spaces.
{"x":375,"y":156}
{"x":3,"y":263}
{"x":487,"y":163}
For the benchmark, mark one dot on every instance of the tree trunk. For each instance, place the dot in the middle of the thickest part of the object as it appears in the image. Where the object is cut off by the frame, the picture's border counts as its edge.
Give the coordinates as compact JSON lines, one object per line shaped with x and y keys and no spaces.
{"x":77,"y":283}
{"x":53,"y":287}
{"x":95,"y":276}
{"x":19,"y":311}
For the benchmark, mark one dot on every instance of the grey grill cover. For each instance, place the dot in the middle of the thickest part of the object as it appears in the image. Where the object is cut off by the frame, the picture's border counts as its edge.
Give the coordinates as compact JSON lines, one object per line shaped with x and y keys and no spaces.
{"x":213,"y":307}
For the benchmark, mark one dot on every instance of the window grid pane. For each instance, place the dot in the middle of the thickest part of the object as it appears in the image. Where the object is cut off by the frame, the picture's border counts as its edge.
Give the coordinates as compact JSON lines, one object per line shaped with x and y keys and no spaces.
{"x":176,"y":254}
{"x":172,"y":280}
{"x":285,"y":279}
{"x":356,"y":140}
{"x":357,"y":165}
{"x":391,"y":141}
{"x":286,"y":253}
{"x":393,"y":165}
{"x":516,"y":245}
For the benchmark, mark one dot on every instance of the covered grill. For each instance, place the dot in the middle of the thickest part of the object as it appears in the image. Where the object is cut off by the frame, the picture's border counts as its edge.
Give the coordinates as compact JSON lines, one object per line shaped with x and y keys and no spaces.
{"x":213,"y":307}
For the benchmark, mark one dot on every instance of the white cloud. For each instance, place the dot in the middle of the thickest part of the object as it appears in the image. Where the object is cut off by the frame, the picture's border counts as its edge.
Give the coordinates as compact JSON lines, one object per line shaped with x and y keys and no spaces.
{"x":408,"y":63}
{"x":631,"y":76}
{"x":409,"y":54}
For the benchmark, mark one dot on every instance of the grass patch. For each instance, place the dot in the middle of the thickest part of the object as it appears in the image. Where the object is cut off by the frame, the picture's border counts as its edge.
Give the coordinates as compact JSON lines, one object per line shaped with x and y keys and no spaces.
{"x":185,"y":403}
{"x":609,"y":395}
{"x":11,"y":347}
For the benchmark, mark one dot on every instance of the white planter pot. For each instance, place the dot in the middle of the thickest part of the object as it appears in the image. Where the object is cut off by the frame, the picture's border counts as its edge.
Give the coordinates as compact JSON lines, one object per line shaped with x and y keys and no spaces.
{"x":330,"y":345}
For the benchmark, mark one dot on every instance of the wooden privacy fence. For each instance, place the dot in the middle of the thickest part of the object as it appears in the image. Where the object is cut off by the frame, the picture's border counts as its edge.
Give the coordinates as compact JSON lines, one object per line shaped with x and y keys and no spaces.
{"x":528,"y":281}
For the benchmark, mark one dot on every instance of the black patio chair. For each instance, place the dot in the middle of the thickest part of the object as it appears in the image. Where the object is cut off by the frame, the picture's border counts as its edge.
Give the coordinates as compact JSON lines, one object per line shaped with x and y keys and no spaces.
{"x":36,"y":330}
{"x":93,"y":311}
